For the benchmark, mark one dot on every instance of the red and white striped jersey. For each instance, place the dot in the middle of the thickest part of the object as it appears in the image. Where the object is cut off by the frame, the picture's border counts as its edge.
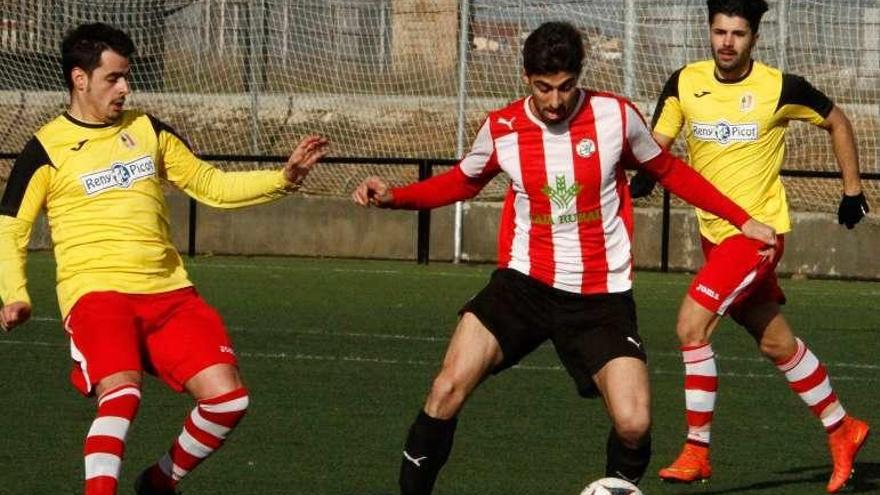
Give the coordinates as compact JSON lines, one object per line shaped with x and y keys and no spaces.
{"x":567,"y":219}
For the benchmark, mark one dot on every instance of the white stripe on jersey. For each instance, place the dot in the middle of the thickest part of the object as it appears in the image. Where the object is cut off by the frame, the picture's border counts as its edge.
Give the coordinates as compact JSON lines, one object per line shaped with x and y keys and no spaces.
{"x":507,"y":149}
{"x":474,"y":163}
{"x":641,"y":142}
{"x":609,"y":133}
{"x":567,"y":254}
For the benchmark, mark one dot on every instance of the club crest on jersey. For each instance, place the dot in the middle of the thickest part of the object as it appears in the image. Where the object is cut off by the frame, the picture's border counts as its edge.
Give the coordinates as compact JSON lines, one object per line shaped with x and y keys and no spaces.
{"x":746,"y":102}
{"x":585,"y":148}
{"x":563,"y":194}
{"x":119,"y":175}
{"x":723,"y":132}
{"x":127,"y":140}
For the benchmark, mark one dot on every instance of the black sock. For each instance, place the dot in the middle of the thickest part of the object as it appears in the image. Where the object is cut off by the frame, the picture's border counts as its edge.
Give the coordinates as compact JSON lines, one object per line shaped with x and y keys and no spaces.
{"x":427,"y":449}
{"x":624,"y":462}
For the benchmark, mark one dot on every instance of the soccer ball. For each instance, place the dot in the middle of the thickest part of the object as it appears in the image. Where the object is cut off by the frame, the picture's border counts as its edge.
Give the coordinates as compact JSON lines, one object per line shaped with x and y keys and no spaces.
{"x":611,"y":486}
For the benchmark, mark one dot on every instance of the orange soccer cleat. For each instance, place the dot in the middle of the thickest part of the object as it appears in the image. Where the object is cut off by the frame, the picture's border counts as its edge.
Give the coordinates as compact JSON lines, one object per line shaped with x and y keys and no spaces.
{"x":692,"y":465}
{"x":844,"y":443}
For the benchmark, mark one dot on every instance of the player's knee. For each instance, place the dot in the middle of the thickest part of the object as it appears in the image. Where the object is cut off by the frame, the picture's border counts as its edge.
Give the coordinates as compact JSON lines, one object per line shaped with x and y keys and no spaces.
{"x":776,"y":349}
{"x":118,"y":380}
{"x":446,"y":392}
{"x":632,"y":427}
{"x":690,"y":332}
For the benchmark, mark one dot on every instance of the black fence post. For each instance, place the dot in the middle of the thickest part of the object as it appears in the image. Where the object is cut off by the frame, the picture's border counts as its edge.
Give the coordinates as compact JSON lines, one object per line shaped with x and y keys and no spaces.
{"x":664,"y":240}
{"x":191,"y":244}
{"x":424,"y":229}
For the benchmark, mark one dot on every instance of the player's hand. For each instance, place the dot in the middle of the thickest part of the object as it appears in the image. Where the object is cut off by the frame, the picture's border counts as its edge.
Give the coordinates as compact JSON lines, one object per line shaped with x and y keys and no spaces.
{"x":306,"y":154}
{"x":373,"y":191}
{"x":852,"y":209}
{"x":641,"y":185}
{"x":758,"y":231}
{"x":14,"y":314}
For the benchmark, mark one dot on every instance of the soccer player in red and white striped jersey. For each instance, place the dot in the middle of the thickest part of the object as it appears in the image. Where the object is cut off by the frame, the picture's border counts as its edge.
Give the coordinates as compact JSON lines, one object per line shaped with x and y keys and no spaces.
{"x":564,"y":251}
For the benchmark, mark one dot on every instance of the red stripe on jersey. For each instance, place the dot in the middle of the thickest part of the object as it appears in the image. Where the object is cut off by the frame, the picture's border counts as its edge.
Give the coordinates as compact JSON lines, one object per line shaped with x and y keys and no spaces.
{"x":533,"y":168}
{"x":699,"y":382}
{"x":506,"y":230}
{"x":626,"y":206}
{"x":588,"y":173}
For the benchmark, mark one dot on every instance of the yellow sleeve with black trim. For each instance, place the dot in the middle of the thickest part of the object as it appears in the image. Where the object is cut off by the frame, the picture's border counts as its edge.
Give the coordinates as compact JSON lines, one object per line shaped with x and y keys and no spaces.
{"x":668,"y":116}
{"x":23,"y":199}
{"x":800,"y":100}
{"x":210,"y":185}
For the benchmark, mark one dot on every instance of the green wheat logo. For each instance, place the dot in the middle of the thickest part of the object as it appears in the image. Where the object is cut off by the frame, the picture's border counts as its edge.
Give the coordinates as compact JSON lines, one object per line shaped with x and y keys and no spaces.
{"x":563,"y":194}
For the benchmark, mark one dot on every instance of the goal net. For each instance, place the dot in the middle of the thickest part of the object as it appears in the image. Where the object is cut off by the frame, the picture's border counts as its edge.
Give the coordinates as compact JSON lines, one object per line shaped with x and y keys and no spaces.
{"x":388,"y":78}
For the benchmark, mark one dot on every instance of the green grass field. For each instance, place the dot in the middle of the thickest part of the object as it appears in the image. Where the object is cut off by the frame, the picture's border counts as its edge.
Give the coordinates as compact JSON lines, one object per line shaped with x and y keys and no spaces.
{"x":338,"y":356}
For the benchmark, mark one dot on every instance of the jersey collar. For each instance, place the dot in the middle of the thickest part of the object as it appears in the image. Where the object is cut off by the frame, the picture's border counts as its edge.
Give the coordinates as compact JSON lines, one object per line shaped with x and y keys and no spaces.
{"x":582,"y":93}
{"x":88,"y":125}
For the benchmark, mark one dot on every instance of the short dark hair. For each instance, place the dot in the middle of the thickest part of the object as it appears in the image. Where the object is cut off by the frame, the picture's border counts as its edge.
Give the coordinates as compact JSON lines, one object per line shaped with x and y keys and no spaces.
{"x":750,"y":10}
{"x":83,"y":46}
{"x":553,"y":47}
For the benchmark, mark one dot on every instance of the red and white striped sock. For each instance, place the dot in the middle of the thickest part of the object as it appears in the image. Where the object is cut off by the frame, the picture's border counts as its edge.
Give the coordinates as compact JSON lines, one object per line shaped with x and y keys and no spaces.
{"x":105,"y":442}
{"x":809,"y":379}
{"x":700,"y":385}
{"x":203,"y":432}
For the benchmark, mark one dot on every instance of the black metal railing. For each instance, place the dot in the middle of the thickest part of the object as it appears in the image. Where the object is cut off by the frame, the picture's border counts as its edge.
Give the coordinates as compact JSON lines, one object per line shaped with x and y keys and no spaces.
{"x":426,"y":170}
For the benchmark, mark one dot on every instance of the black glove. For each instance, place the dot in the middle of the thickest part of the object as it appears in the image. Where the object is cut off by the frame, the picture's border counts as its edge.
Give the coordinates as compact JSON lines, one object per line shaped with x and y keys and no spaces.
{"x":641,"y":185}
{"x":851,"y":210}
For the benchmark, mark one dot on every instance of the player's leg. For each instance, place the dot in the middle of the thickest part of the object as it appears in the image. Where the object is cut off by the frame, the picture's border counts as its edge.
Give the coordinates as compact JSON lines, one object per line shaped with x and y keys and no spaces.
{"x":502,"y":323}
{"x":731,"y":270}
{"x":104,"y":347}
{"x":191,"y":351}
{"x":807,"y":377}
{"x":472,"y":352}
{"x":623,"y":383}
{"x":597,"y":340}
{"x":694,"y":329}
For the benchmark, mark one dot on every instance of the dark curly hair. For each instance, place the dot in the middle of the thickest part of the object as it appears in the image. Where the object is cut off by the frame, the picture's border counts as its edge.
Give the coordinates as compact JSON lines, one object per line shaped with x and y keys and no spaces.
{"x":553,"y":47}
{"x":750,"y":10}
{"x":83,"y":46}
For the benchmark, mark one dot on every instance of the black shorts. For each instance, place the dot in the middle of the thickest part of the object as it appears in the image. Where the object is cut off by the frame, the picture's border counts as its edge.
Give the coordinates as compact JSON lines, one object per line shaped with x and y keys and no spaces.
{"x":586,"y":330}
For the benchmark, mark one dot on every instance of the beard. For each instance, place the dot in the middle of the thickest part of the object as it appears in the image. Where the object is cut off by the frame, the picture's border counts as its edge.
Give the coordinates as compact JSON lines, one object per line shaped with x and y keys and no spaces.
{"x":734,"y":65}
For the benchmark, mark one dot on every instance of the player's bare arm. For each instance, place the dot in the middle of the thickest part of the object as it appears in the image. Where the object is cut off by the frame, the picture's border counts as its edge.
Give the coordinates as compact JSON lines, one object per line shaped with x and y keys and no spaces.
{"x":373,"y":191}
{"x":853,"y":205}
{"x":663,"y":140}
{"x":306,"y":154}
{"x":14,"y":314}
{"x":845,"y":151}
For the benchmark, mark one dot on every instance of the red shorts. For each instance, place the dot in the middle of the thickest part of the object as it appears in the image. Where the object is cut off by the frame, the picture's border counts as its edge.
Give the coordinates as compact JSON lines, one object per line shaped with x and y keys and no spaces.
{"x":735,"y":275}
{"x":172,"y":335}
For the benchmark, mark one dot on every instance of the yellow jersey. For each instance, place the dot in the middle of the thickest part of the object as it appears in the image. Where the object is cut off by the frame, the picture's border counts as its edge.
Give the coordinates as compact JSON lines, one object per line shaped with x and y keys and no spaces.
{"x":735,"y":134}
{"x":109,"y":222}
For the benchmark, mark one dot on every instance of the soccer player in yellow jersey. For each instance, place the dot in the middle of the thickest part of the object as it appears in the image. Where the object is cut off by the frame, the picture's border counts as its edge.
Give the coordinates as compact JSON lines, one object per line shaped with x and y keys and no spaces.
{"x":126,"y":301}
{"x":734,"y":112}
